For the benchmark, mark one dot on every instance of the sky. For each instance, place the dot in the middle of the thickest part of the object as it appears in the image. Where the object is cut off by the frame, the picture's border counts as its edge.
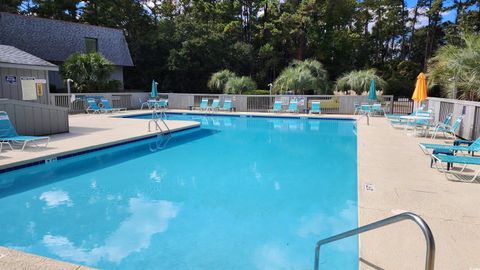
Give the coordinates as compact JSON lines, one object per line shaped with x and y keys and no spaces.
{"x":447,"y":16}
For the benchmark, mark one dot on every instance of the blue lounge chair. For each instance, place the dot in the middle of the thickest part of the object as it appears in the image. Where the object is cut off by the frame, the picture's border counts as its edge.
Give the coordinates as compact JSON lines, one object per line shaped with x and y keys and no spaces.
{"x":444,"y":123}
{"x":277,"y":106}
{"x":93,"y":106}
{"x":473,"y":147}
{"x":448,"y":130}
{"x":459,"y":175}
{"x":316,"y":107}
{"x":108,"y":108}
{"x":419,"y":123}
{"x":215,"y":105}
{"x":293,"y":107}
{"x":397,"y":116}
{"x":227,"y":105}
{"x":204,"y":104}
{"x":9,"y":135}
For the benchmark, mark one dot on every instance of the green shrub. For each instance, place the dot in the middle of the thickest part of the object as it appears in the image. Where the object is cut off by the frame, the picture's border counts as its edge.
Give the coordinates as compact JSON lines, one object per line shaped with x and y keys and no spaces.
{"x":239,"y":85}
{"x":257,"y":92}
{"x":219,"y":80}
{"x":89,"y":72}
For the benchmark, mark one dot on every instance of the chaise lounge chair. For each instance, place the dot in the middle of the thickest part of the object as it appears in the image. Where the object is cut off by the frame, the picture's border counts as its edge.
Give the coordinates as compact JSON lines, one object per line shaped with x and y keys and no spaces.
{"x":448,"y":130}
{"x":315,"y":107}
{"x":459,"y":175}
{"x":277,"y":106}
{"x":474,"y":147}
{"x":398,"y":116}
{"x":227,"y":105}
{"x":215,"y":105}
{"x":293,"y":107}
{"x":93,"y":106}
{"x":9,"y":135}
{"x":204,"y":104}
{"x":108,"y":108}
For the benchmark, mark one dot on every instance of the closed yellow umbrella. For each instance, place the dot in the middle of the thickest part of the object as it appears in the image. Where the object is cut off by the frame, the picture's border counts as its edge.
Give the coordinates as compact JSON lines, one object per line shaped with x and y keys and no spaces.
{"x":420,"y":93}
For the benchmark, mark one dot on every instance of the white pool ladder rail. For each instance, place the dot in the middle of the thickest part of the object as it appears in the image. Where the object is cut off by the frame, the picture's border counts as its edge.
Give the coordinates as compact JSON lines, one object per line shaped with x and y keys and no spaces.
{"x":430,"y":254}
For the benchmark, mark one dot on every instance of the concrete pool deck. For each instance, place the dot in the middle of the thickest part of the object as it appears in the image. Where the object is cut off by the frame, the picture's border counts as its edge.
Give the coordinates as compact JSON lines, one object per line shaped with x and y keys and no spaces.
{"x":393,"y":164}
{"x":88,"y":132}
{"x":389,"y":160}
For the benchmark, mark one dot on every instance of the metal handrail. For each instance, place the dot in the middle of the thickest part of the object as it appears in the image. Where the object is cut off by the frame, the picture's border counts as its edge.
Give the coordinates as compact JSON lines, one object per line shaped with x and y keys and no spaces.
{"x":430,"y":256}
{"x":155,"y":117}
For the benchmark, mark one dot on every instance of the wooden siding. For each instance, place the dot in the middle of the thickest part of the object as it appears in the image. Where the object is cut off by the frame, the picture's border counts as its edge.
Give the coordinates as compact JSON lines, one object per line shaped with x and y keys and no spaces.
{"x":11,"y":91}
{"x":30,"y":118}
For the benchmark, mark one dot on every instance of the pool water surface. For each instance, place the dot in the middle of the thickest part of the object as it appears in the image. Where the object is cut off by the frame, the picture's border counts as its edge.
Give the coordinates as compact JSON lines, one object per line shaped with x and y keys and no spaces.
{"x":237,"y":193}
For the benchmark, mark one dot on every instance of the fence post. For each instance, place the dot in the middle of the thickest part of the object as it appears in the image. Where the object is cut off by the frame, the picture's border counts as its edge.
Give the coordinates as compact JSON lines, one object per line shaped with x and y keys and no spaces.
{"x":392,"y":101}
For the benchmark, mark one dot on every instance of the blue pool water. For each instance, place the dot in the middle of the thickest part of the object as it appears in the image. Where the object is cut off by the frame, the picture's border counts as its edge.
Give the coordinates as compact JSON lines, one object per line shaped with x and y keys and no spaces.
{"x":237,"y":193}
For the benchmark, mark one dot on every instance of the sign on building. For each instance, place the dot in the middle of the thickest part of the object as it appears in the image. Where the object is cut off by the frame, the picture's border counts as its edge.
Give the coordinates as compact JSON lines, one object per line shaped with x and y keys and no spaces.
{"x":11,"y":79}
{"x":29,"y":91}
{"x":39,"y":89}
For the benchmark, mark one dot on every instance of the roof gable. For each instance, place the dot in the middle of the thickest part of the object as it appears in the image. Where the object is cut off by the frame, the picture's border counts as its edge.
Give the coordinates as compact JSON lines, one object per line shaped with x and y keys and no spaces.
{"x":13,"y":57}
{"x":55,"y":40}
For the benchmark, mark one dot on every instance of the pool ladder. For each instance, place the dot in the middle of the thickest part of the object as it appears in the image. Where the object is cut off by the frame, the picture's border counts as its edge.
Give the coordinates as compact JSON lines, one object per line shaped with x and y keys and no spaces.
{"x":430,"y":254}
{"x":157,"y":119}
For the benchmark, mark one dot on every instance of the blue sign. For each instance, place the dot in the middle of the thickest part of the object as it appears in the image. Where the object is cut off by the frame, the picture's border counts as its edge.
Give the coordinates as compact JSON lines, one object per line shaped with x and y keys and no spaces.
{"x":11,"y":79}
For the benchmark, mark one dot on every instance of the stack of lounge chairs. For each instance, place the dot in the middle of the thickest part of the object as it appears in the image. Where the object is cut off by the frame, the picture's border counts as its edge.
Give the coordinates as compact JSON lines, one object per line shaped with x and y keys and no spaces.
{"x":296,"y":105}
{"x":102,"y":106}
{"x":215,"y":105}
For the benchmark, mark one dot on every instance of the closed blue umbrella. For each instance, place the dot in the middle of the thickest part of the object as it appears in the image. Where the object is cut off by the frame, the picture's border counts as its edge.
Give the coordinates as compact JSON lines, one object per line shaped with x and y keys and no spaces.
{"x":372,"y":93}
{"x":154,"y":93}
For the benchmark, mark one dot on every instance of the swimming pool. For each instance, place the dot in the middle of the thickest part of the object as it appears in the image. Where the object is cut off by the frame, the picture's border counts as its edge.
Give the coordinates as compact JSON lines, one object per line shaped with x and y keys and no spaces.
{"x":237,"y":193}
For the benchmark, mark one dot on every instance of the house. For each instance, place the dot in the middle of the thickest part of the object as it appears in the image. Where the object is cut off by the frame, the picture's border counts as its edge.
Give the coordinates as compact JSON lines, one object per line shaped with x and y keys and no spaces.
{"x":23,"y":75}
{"x":54,"y":40}
{"x":24,"y":93}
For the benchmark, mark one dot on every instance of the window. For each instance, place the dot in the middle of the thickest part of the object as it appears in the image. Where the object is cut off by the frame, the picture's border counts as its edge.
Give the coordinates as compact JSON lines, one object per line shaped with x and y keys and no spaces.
{"x":91,"y":45}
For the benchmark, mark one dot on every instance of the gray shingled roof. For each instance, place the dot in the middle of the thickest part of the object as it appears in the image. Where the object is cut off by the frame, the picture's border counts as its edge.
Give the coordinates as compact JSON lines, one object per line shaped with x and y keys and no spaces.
{"x":55,"y":40}
{"x":13,"y":57}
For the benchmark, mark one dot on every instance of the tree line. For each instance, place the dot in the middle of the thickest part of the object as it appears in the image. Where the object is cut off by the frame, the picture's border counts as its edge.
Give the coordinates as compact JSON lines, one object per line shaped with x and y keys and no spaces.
{"x":181,"y":43}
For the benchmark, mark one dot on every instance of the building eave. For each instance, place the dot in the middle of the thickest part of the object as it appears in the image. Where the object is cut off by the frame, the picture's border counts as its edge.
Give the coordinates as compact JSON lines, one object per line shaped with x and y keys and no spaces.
{"x":20,"y":66}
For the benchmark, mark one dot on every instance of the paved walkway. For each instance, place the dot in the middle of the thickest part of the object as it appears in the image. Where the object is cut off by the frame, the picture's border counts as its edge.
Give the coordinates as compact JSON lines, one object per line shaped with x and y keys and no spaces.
{"x":392,"y":162}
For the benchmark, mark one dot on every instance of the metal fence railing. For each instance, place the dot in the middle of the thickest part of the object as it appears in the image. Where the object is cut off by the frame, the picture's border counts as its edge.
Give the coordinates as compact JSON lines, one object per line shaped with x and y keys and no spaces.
{"x":402,"y":106}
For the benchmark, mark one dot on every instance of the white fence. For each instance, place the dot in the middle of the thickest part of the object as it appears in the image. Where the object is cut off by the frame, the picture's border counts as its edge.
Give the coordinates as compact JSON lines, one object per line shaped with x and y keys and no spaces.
{"x":129,"y":100}
{"x":243,"y":103}
{"x":263,"y":103}
{"x":470,"y":127}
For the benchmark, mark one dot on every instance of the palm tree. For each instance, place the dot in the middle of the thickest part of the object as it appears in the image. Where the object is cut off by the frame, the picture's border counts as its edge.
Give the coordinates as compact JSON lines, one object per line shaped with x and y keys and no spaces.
{"x":359,"y":81}
{"x":219,"y":79}
{"x":316,"y":69}
{"x":457,"y":69}
{"x":301,"y":76}
{"x":238,"y":85}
